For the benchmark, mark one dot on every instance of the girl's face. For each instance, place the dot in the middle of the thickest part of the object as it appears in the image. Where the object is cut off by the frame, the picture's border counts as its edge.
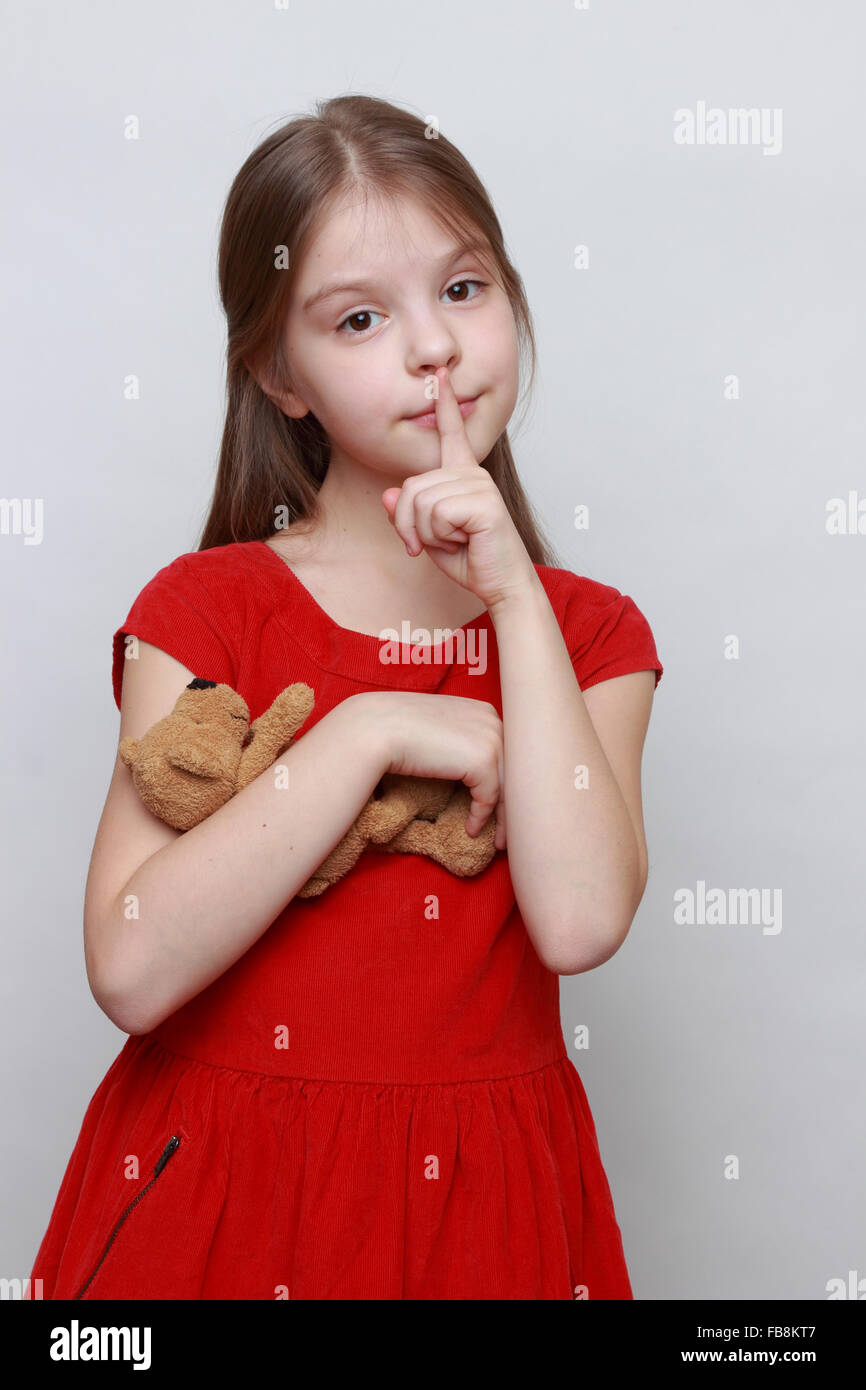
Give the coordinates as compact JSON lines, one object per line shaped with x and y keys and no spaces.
{"x":384,"y":297}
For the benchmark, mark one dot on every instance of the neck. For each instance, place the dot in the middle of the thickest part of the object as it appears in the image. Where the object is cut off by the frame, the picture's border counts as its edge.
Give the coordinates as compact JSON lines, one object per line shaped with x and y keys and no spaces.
{"x":353,"y":520}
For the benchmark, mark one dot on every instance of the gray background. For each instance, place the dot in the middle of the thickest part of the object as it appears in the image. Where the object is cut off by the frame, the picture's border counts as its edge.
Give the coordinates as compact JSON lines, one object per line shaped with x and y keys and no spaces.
{"x":706,"y":1040}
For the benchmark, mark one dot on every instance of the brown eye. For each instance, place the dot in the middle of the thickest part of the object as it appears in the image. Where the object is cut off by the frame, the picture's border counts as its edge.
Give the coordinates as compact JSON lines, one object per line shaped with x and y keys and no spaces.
{"x":356,"y":332}
{"x":458,"y":283}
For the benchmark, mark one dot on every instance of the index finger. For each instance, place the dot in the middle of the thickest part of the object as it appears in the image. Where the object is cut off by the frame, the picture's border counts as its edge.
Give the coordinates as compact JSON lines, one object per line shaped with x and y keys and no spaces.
{"x":455,"y":446}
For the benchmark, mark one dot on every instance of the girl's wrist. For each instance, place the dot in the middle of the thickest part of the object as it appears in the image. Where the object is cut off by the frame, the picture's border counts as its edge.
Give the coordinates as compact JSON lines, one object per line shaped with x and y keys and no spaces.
{"x":526,"y":598}
{"x":371,"y":716}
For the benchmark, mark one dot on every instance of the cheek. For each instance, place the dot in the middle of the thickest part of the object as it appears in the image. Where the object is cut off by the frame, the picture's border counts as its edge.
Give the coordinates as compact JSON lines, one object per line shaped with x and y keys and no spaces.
{"x":343,"y":391}
{"x":364,"y":392}
{"x":501,"y":358}
{"x":498,"y":330}
{"x":359,"y":396}
{"x":498,"y":342}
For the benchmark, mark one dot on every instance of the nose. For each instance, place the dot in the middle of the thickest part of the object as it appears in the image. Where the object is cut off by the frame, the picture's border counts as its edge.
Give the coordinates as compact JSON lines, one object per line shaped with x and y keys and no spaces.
{"x":427,"y":370}
{"x":431,"y":345}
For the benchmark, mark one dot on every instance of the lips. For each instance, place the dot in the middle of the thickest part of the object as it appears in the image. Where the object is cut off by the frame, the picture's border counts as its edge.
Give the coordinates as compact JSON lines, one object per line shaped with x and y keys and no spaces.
{"x":461,"y":400}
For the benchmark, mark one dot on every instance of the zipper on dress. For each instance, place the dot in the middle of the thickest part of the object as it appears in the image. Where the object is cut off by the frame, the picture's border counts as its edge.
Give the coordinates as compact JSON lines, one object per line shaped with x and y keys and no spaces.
{"x":166,"y":1154}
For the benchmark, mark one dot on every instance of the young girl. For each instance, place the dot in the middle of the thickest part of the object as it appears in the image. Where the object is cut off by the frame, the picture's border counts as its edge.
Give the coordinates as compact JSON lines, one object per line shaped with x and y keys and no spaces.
{"x":364,"y":1094}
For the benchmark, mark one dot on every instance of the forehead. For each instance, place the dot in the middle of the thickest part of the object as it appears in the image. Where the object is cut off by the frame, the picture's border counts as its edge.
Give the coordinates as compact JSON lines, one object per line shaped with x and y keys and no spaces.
{"x":364,"y":232}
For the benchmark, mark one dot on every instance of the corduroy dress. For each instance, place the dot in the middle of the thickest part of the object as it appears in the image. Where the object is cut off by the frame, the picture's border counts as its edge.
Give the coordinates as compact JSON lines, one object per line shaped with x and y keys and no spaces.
{"x":375,"y":1101}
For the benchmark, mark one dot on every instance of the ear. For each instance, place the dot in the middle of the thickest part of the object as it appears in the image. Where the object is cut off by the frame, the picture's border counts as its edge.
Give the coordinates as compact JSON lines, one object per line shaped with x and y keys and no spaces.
{"x":287,"y":401}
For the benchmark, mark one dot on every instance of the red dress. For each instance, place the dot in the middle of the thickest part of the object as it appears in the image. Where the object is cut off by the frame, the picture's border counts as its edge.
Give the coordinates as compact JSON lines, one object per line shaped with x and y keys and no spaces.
{"x":424,"y":1134}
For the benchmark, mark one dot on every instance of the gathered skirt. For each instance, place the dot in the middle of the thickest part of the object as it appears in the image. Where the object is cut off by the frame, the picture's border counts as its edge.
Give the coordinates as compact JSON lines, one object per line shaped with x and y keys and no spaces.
{"x":195,"y":1181}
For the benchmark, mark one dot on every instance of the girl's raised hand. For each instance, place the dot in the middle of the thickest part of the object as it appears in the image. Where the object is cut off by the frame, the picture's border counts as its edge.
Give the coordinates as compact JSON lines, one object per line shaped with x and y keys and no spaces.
{"x":458,"y":515}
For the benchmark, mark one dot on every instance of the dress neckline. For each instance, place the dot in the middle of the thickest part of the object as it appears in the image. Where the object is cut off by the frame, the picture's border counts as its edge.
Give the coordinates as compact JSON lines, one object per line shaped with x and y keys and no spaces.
{"x":345,"y":651}
{"x":351,"y":631}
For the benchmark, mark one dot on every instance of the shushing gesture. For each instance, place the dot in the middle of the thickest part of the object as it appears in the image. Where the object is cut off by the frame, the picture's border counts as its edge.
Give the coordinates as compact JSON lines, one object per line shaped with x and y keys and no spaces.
{"x":457,"y":513}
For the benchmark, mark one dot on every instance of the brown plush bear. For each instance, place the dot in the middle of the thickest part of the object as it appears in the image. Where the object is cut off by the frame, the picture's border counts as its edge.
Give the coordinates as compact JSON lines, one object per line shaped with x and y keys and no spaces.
{"x":193,"y":761}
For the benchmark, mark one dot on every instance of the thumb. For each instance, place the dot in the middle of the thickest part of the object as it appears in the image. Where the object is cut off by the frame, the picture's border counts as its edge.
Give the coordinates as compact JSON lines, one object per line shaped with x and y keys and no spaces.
{"x":389,"y":499}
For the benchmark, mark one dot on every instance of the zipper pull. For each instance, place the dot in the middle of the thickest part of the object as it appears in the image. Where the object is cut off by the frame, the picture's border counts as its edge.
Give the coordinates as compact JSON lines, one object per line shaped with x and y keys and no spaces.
{"x":166,"y":1155}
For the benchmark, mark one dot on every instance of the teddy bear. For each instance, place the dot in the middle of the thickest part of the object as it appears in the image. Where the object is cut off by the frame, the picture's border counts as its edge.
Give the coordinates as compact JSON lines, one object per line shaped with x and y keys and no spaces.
{"x":194,"y":760}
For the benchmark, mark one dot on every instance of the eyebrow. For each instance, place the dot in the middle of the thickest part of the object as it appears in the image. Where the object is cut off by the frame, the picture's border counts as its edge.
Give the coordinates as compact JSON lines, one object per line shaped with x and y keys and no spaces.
{"x":334,"y":287}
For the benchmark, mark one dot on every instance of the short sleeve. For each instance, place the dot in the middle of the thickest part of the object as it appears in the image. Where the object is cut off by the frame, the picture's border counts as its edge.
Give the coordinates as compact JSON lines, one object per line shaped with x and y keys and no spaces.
{"x":176,"y":612}
{"x":606,"y":634}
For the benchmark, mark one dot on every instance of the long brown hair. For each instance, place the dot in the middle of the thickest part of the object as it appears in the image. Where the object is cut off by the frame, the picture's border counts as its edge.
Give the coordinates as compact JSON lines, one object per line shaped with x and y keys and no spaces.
{"x":351,"y":143}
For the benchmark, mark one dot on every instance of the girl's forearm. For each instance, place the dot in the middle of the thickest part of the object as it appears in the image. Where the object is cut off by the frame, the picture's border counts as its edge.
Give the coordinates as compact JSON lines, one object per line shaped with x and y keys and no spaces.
{"x":206,"y":897}
{"x":572,"y":851}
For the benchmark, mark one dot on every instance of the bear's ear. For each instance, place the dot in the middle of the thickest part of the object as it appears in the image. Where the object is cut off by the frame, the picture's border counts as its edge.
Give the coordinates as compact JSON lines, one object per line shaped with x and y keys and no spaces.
{"x":199,"y":684}
{"x":128,"y":749}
